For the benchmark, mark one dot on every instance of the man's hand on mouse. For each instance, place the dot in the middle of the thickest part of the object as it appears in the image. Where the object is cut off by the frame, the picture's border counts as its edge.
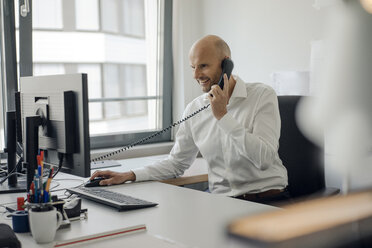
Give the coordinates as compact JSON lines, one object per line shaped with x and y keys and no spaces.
{"x":112,"y":177}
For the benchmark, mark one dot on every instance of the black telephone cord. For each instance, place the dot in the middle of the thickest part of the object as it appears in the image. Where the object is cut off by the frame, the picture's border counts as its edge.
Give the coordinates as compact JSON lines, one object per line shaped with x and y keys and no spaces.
{"x":105,"y":156}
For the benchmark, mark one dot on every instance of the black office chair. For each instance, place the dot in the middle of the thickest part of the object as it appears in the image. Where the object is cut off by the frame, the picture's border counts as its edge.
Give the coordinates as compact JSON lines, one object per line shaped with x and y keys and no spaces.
{"x":304,"y":160}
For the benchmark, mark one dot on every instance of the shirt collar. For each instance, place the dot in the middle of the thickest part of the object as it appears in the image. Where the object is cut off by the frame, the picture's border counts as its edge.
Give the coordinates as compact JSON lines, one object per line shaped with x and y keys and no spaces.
{"x":239,"y":89}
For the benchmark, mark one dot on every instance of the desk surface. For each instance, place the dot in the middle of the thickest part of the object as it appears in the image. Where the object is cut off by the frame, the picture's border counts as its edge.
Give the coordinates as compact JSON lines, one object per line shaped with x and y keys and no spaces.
{"x":185,"y":216}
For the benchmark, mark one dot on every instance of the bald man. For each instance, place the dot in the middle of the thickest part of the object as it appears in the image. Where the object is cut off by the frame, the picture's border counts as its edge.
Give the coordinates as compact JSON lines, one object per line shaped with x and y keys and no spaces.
{"x":238,"y":135}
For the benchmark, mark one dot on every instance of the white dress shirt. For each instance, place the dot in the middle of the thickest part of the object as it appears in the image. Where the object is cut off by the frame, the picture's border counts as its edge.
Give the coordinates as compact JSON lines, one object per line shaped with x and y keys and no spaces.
{"x":241,"y":148}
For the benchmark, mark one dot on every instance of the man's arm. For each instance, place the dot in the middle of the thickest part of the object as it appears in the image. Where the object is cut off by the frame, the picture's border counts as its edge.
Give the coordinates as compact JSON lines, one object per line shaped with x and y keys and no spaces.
{"x":259,"y":146}
{"x":180,"y":158}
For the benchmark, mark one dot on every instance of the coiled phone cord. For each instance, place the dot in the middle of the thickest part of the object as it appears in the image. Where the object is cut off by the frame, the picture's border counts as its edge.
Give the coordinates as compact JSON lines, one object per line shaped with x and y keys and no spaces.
{"x":105,"y":156}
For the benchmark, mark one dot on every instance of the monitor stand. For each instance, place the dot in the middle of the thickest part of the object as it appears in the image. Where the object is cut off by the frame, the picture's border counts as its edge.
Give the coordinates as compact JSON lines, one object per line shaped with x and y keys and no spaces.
{"x":12,"y":184}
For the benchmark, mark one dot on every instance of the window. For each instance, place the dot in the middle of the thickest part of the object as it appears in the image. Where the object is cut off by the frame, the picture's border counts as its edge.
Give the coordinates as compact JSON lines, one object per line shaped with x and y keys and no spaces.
{"x":119,"y":44}
{"x":47,"y":14}
{"x":87,"y":15}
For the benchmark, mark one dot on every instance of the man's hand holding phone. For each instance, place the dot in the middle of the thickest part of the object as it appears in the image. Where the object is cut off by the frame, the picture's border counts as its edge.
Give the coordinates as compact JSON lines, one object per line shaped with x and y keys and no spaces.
{"x":219,"y":98}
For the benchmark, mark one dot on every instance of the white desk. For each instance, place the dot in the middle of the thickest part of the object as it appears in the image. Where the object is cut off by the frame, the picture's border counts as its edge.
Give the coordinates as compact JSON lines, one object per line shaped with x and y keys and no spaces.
{"x":189,"y":217}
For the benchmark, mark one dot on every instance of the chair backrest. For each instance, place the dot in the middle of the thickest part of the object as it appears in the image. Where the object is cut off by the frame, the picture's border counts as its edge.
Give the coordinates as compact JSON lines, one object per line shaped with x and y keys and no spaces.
{"x":304,"y":160}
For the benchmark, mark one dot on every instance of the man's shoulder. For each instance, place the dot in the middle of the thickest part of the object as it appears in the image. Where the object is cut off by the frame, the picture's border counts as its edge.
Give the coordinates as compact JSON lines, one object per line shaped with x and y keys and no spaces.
{"x":254,"y":86}
{"x":259,"y":88}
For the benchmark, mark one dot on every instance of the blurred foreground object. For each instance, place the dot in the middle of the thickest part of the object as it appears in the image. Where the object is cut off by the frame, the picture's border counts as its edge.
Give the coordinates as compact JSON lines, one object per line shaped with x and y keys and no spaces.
{"x":342,"y":113}
{"x":367,"y":5}
{"x":338,"y":221}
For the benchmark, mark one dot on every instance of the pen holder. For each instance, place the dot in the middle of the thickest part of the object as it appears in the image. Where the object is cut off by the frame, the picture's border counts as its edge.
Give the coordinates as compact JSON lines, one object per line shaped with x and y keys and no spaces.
{"x":20,"y":222}
{"x":44,"y":222}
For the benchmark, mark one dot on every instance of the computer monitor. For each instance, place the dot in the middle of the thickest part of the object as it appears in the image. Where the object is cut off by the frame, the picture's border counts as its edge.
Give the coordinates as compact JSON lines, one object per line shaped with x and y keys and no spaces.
{"x":56,"y":107}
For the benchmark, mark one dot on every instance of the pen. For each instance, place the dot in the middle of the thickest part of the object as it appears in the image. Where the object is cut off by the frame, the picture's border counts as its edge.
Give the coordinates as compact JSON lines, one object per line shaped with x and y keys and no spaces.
{"x":38,"y":160}
{"x":36,"y":180}
{"x":42,"y":158}
{"x":40,"y":180}
{"x":36,"y":198}
{"x":46,"y":197}
{"x":48,"y":184}
{"x":51,"y":173}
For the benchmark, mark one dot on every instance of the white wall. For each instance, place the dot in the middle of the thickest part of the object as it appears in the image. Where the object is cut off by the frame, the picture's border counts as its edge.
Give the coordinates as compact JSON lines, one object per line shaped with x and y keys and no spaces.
{"x":186,"y":29}
{"x":265,"y":36}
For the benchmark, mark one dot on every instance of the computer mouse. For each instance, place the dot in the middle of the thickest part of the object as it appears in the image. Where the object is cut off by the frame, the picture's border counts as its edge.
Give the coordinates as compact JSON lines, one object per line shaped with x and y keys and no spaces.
{"x":94,"y":182}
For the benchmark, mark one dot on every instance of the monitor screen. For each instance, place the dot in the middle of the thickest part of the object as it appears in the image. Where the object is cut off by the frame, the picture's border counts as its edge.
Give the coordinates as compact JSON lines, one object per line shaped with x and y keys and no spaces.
{"x":61,"y":102}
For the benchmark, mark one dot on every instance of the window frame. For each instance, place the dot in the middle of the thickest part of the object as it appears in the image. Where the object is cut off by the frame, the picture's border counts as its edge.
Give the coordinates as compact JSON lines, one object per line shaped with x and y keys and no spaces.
{"x":8,"y":62}
{"x":122,"y":139}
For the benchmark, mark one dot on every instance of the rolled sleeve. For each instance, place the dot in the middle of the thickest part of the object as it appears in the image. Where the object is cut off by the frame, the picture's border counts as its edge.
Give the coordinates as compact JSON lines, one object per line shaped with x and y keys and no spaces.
{"x":141,"y":174}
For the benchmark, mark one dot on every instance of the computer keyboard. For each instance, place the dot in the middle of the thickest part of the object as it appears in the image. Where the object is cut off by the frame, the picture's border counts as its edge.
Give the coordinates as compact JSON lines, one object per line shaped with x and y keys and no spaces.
{"x":117,"y":200}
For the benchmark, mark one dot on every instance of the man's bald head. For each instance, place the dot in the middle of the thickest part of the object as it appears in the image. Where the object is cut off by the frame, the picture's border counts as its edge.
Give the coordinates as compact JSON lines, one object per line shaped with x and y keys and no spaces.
{"x":214,"y":44}
{"x":205,"y":58}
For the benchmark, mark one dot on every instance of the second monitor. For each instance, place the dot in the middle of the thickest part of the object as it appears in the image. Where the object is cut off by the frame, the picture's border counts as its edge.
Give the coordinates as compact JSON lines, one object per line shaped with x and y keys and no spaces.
{"x":59,"y":104}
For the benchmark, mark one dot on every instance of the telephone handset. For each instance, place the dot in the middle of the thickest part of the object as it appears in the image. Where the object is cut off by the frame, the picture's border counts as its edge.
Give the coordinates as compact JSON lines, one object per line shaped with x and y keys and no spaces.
{"x":227,"y":66}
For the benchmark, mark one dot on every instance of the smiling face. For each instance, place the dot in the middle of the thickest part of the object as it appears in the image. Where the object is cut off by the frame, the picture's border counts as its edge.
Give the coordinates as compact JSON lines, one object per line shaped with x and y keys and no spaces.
{"x":205,"y":61}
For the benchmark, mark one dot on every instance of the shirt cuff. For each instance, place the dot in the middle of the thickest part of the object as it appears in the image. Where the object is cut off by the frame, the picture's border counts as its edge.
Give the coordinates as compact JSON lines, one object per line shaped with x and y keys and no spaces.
{"x":227,"y":123}
{"x":141,"y":174}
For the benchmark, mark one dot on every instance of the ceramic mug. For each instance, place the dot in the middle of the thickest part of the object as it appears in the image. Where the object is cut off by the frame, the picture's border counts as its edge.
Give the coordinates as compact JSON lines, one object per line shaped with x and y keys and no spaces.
{"x":44,"y":222}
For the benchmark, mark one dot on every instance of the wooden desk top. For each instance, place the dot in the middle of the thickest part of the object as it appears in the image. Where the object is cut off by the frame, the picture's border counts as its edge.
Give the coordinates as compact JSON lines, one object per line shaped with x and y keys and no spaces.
{"x":185,"y":180}
{"x":302,"y":224}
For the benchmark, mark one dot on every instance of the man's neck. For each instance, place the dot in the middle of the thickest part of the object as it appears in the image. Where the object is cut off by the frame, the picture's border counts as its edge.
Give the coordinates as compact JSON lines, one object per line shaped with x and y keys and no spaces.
{"x":232,"y":84}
